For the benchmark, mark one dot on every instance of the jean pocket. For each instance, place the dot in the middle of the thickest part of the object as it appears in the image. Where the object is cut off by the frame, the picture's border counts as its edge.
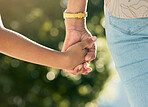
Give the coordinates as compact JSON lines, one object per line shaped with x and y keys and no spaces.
{"x":129,"y":26}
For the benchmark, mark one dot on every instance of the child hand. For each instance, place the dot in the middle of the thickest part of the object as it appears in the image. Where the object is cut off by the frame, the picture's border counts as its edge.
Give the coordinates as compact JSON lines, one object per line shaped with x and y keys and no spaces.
{"x":76,"y":53}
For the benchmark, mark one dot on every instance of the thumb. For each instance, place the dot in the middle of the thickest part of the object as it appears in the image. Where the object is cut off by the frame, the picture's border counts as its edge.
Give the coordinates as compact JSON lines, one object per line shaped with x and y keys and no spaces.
{"x":64,"y":48}
{"x":88,"y":42}
{"x":66,"y":44}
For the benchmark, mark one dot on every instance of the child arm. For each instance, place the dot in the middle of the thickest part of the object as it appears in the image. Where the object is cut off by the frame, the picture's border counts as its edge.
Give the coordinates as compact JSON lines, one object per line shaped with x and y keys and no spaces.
{"x":18,"y":46}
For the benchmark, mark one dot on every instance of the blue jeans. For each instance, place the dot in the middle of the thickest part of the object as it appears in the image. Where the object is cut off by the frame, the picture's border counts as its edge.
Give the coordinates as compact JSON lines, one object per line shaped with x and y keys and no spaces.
{"x":128,"y":43}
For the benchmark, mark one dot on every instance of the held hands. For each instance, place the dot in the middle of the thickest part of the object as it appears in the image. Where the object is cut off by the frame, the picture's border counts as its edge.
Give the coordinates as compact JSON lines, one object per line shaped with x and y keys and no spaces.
{"x":77,"y":52}
{"x":76,"y":32}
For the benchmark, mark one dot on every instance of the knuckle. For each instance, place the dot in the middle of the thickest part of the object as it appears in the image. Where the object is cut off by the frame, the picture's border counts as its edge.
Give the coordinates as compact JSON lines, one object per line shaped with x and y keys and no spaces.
{"x":83,"y":44}
{"x":74,"y":73}
{"x":89,"y":41}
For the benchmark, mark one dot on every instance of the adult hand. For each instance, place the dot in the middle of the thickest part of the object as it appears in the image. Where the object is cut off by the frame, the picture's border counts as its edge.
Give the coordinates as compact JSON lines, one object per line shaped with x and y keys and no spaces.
{"x":76,"y":31}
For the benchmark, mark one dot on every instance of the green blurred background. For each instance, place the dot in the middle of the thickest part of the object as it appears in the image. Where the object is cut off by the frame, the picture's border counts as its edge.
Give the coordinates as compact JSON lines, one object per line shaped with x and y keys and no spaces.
{"x":25,"y":84}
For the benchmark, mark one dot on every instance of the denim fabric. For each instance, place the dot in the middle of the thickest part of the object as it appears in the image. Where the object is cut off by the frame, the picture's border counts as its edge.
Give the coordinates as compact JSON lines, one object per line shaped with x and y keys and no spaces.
{"x":128,"y":43}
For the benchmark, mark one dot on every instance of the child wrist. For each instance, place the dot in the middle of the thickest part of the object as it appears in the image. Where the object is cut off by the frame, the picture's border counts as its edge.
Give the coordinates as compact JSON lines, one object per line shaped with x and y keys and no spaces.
{"x":66,"y":60}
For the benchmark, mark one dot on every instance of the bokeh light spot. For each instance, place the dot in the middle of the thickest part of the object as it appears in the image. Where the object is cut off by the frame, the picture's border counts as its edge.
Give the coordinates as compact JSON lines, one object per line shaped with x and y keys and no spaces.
{"x":60,"y":45}
{"x":14,"y":25}
{"x":90,"y":104}
{"x":30,"y":67}
{"x":98,"y":29}
{"x":50,"y":76}
{"x":7,"y":59}
{"x":84,"y":89}
{"x":35,"y":13}
{"x":54,"y":32}
{"x":47,"y":101}
{"x":47,"y":26}
{"x":102,"y":22}
{"x":56,"y":96}
{"x":63,"y":3}
{"x":15,"y":63}
{"x":64,"y":103}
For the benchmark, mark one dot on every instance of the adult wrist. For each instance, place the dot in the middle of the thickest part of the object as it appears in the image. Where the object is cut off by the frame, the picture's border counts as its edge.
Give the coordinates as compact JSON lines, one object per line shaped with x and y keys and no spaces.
{"x":75,"y":18}
{"x":75,"y":23}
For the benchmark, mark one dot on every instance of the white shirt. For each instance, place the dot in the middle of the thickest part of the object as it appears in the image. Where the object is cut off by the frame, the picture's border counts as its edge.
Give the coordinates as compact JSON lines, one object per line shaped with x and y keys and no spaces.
{"x":127,"y":8}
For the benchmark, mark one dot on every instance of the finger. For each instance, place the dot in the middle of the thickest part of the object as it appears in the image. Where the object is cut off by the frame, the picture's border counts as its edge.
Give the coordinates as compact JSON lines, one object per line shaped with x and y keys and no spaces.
{"x":66,"y":71}
{"x":85,"y":66}
{"x":90,"y":56}
{"x":88,"y":70}
{"x":65,"y":46}
{"x":86,"y":73}
{"x":85,"y":51}
{"x":69,"y":41}
{"x":71,"y":72}
{"x":79,"y":69}
{"x":93,"y":46}
{"x":88,"y":42}
{"x":82,"y":70}
{"x":74,"y":72}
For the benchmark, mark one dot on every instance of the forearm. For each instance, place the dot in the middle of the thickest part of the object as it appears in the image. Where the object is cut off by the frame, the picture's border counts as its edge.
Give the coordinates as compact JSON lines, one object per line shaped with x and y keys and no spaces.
{"x":20,"y":47}
{"x":76,"y":6}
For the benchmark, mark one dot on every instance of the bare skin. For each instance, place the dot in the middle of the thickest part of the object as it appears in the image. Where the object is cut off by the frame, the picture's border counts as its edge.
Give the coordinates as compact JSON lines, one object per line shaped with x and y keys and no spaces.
{"x":18,"y":46}
{"x":76,"y":31}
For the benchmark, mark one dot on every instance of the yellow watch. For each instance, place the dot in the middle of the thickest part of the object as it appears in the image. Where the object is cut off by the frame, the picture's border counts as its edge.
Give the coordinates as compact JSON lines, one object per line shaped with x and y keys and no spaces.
{"x":74,"y":15}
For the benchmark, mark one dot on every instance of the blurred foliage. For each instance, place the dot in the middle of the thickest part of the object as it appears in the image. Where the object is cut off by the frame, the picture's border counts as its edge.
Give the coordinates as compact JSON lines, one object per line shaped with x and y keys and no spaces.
{"x":24,"y":84}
